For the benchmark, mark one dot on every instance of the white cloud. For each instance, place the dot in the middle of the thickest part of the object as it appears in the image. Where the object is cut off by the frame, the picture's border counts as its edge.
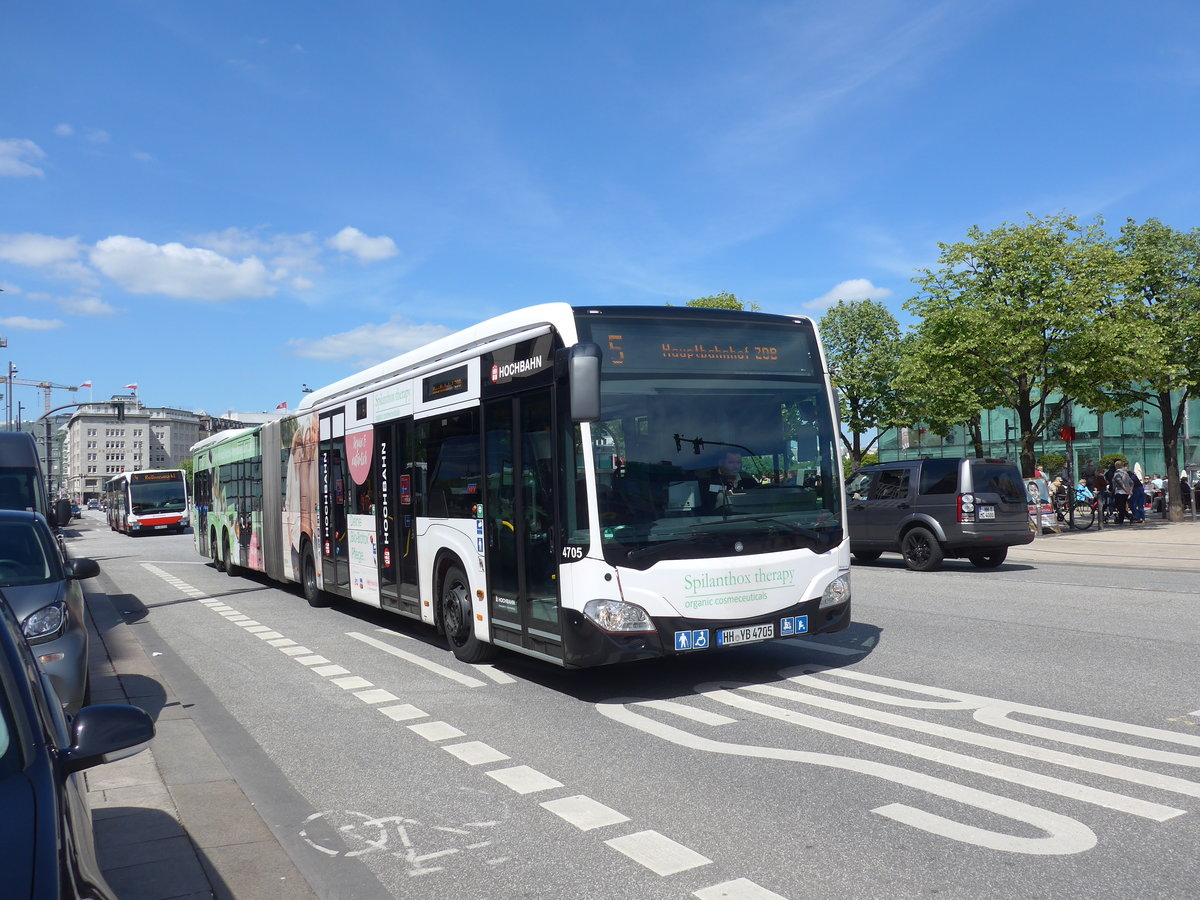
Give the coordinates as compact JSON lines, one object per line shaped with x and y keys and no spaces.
{"x":369,"y":344}
{"x":28,"y":324}
{"x":64,"y":129}
{"x":85,"y":306}
{"x":174,"y":270}
{"x":853,"y":289}
{"x":98,"y":136}
{"x":353,"y":242}
{"x":302,"y":284}
{"x":17,"y":158}
{"x":37,"y":249}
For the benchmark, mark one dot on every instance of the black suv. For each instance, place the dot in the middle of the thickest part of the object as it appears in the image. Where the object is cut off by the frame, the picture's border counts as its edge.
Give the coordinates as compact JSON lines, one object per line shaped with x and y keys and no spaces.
{"x":928,"y":509}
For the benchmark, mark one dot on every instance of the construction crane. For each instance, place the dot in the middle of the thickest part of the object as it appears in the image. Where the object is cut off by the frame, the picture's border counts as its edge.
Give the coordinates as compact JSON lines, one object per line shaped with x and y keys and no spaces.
{"x":46,"y":387}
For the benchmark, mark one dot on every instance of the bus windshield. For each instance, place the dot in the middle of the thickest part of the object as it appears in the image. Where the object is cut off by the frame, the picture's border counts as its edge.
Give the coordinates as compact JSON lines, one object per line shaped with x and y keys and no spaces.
{"x":146,"y":498}
{"x":712,"y":441}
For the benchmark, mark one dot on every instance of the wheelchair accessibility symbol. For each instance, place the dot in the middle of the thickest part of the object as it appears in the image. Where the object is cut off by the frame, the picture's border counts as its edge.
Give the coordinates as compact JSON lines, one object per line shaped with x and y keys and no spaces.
{"x":692,"y":640}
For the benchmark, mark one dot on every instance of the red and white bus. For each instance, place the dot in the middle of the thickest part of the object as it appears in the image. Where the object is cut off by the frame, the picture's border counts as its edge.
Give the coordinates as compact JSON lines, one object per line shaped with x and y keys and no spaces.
{"x":147,"y":501}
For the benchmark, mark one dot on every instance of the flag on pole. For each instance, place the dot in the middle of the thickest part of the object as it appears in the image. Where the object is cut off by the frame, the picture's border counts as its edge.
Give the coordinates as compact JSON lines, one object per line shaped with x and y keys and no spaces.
{"x":132,"y":387}
{"x":86,"y":384}
{"x":282,"y":405}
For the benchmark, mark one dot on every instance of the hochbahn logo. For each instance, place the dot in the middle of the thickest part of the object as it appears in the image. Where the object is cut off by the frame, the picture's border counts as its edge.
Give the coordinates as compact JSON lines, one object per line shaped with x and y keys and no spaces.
{"x":517,"y":368}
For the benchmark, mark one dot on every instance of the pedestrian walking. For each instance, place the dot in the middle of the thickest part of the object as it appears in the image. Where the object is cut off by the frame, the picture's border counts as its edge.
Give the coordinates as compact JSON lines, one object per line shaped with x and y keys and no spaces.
{"x":1122,"y":487}
{"x":1185,"y":492}
{"x":1137,"y":503}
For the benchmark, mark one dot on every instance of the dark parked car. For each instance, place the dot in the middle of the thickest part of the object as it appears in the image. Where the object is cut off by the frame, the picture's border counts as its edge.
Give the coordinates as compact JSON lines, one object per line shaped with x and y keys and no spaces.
{"x":929,"y":509}
{"x":42,"y":587}
{"x":45,"y":825}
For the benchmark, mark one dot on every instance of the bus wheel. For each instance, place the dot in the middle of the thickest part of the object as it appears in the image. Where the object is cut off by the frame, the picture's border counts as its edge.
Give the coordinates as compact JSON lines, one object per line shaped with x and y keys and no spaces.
{"x":308,"y":579}
{"x":215,"y":549}
{"x":454,"y":605}
{"x":227,"y":559}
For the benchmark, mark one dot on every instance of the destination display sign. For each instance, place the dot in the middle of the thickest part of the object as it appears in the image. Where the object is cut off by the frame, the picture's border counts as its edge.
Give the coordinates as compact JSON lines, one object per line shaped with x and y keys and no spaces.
{"x":138,"y":477}
{"x":700,"y":346}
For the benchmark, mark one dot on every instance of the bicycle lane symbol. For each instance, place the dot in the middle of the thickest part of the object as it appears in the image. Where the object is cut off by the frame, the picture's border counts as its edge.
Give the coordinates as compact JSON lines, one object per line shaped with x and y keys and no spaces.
{"x":353,"y":835}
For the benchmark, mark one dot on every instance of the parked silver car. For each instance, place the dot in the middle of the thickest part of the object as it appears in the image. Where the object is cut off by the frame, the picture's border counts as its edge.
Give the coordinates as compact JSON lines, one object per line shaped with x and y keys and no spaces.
{"x":43,"y":591}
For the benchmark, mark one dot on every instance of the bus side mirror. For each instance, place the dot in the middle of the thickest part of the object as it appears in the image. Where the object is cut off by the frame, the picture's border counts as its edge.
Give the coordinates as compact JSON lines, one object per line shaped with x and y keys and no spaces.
{"x":62,"y":513}
{"x":583,"y":375}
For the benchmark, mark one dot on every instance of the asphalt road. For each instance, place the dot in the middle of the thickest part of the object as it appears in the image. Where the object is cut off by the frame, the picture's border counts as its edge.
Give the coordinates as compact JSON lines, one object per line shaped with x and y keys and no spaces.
{"x":1028,"y":732}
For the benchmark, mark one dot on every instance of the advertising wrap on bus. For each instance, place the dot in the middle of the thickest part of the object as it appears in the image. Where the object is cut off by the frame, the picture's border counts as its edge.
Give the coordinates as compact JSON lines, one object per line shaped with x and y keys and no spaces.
{"x":695,"y":504}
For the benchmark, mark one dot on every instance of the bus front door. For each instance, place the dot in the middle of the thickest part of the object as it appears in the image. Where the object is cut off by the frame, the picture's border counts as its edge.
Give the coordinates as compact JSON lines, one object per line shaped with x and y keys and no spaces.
{"x":519,"y":524}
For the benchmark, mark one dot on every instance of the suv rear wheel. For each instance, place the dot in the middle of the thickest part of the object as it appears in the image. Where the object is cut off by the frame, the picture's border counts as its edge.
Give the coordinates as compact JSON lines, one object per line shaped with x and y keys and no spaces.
{"x":921,"y":550}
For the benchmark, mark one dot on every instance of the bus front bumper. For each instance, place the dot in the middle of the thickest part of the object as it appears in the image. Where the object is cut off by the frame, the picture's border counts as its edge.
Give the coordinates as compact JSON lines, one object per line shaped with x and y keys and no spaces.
{"x":586,"y":644}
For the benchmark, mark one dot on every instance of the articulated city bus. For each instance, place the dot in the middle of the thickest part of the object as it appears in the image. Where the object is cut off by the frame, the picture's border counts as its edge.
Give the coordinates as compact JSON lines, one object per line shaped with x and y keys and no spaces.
{"x":582,"y":485}
{"x":147,"y":501}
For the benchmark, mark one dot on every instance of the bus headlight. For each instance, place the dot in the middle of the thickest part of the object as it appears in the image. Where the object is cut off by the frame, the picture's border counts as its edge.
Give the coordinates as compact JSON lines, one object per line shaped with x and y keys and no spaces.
{"x":837,"y":591}
{"x":131,"y":519}
{"x":618,"y":616}
{"x":45,"y":624}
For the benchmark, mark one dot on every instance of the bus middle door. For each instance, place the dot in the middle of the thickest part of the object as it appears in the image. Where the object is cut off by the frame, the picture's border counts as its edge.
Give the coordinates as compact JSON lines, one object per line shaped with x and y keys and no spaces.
{"x":335,"y":497}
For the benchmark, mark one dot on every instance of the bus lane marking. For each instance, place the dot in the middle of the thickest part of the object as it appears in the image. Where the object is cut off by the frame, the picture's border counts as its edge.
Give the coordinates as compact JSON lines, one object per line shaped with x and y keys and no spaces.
{"x":435,"y":668}
{"x":1062,"y":835}
{"x":1057,"y":757}
{"x":994,"y":712}
{"x":719,"y":692}
{"x":648,"y":848}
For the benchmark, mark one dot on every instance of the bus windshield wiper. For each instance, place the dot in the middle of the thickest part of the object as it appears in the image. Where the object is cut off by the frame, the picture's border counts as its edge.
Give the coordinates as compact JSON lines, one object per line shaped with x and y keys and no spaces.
{"x":658,"y":550}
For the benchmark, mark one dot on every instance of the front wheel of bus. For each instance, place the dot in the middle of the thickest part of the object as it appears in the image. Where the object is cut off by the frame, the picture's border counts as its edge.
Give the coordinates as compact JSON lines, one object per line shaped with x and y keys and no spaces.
{"x":455,"y":609}
{"x":308,"y":580}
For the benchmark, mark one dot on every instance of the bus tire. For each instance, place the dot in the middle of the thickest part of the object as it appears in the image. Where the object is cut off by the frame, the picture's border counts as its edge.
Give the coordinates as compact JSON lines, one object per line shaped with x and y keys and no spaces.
{"x":227,"y":558}
{"x":922,"y":552}
{"x":454,"y":612}
{"x":316,"y":597}
{"x":215,"y":549}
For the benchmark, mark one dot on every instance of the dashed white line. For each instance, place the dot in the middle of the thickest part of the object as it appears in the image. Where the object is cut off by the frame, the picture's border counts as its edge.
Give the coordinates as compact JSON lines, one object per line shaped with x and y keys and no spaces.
{"x":475,"y":753}
{"x":315,"y":660}
{"x":524,"y":780}
{"x":658,"y":853}
{"x":330,"y":671}
{"x":436,"y":731}
{"x":295,"y":651}
{"x":584,"y":813}
{"x":404,"y":712}
{"x":738,"y":889}
{"x":352,"y":683}
{"x":378,"y":695}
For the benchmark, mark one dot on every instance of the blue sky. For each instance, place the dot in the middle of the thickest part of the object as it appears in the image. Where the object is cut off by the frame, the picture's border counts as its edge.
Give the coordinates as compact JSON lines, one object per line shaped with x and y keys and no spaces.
{"x":224,"y":201}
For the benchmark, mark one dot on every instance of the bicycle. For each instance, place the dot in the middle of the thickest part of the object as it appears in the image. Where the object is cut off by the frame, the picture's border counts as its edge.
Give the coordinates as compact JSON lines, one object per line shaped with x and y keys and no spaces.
{"x":1084,"y":513}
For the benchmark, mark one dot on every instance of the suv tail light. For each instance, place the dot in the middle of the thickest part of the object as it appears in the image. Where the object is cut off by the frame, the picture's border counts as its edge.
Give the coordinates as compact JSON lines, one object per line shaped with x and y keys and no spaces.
{"x":966,"y":507}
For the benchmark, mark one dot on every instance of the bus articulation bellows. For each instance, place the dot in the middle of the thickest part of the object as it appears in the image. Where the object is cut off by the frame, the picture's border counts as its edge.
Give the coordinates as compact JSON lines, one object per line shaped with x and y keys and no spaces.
{"x":581,"y":485}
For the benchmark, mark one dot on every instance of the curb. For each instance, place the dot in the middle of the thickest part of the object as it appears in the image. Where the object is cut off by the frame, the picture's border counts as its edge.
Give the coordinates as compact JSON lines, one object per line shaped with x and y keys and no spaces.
{"x":171,"y":822}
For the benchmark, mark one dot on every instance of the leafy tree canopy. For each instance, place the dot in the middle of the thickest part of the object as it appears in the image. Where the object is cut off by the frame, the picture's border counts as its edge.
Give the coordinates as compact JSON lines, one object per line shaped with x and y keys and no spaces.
{"x":1023,"y":316}
{"x":723,"y":300}
{"x":862,"y":345}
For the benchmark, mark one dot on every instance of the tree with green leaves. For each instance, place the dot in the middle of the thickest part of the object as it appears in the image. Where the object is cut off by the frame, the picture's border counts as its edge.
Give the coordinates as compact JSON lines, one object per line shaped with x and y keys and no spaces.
{"x":1026,"y":317}
{"x":723,"y":300}
{"x":1163,"y":302}
{"x":862,"y":345}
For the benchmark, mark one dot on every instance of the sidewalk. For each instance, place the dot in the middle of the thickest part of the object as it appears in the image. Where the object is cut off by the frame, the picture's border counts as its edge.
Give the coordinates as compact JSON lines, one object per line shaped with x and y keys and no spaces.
{"x":171,"y":822}
{"x":1157,"y":544}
